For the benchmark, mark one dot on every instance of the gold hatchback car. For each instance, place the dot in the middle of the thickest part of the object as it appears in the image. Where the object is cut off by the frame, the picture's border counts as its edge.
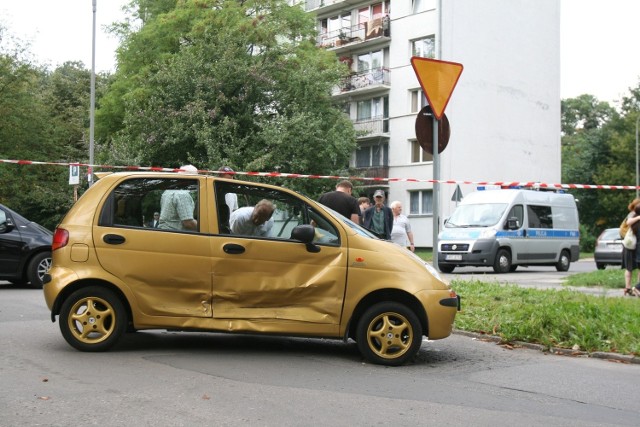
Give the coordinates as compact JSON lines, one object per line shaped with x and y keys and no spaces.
{"x":185,"y":252}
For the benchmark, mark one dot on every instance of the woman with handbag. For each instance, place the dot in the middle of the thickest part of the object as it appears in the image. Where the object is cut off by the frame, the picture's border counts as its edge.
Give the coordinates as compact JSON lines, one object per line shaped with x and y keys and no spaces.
{"x":630,"y":253}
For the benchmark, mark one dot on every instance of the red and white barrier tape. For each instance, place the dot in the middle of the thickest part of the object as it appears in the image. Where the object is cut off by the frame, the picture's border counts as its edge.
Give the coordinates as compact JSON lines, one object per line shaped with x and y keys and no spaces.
{"x":533,"y":184}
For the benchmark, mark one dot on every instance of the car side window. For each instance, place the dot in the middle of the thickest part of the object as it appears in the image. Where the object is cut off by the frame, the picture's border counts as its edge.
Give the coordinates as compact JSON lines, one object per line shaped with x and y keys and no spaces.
{"x":283,"y":213}
{"x":133,"y":204}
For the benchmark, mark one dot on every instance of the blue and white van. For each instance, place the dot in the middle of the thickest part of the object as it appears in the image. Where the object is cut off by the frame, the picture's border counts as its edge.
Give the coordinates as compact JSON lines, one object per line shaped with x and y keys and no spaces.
{"x":505,"y":229}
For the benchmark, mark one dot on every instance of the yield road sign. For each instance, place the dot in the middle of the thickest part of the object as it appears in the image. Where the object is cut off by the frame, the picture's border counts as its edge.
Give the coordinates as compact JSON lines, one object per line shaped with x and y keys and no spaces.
{"x":437,"y":79}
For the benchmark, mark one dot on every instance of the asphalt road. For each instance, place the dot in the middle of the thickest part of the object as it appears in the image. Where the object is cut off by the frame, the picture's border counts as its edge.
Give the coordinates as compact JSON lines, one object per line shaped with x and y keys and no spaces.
{"x":194,"y":379}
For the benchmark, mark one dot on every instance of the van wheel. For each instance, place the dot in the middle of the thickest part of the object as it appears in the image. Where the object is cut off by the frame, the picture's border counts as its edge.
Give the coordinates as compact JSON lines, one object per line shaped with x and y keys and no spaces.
{"x":513,"y":268}
{"x":92,"y":319}
{"x":600,"y":266}
{"x":502,"y":264}
{"x":564,"y":262}
{"x":389,"y":333}
{"x":446,"y":268}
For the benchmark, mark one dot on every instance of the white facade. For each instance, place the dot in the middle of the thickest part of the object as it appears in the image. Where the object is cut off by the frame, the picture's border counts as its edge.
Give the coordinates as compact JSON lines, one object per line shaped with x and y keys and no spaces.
{"x":504,"y":112}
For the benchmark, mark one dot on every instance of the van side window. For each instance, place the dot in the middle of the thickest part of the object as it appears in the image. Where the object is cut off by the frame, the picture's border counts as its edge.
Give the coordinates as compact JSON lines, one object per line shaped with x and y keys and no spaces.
{"x":516,"y":212}
{"x":134,"y":201}
{"x":539,"y":216}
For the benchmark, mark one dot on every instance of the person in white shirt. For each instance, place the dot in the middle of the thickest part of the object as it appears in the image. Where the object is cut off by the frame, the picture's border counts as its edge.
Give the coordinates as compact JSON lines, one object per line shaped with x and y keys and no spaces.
{"x":401,"y":231}
{"x":230,"y":198}
{"x":253,"y":221}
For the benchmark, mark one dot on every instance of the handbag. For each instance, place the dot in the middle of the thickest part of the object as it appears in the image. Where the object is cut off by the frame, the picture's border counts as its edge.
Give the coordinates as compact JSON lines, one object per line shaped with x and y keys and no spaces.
{"x":623,"y":228}
{"x":629,"y":240}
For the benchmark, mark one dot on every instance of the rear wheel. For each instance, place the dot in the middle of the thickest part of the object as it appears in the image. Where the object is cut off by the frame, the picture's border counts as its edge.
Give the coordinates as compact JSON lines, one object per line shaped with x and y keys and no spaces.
{"x":502,"y":264}
{"x":389,"y":333}
{"x":600,"y":266}
{"x":564,"y":262}
{"x":37,"y":268}
{"x":92,"y":319}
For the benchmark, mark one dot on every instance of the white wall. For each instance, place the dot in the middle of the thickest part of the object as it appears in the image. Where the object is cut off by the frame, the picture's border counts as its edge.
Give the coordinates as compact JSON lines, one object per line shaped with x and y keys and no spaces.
{"x":504,"y":112}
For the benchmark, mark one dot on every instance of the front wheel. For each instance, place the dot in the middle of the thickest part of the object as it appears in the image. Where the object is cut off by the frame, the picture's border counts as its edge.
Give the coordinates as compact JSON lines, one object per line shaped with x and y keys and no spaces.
{"x":600,"y":266}
{"x":389,"y":333}
{"x":446,"y":268}
{"x":92,"y":319}
{"x":564,"y":262}
{"x":502,"y":264}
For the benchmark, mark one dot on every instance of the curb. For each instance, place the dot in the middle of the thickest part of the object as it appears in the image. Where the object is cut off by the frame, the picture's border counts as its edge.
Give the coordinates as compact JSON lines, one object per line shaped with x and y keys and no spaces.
{"x":558,"y":351}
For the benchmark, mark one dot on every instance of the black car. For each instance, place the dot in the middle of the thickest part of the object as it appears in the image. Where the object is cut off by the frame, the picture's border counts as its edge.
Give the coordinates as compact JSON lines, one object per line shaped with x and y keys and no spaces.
{"x":25,"y":249}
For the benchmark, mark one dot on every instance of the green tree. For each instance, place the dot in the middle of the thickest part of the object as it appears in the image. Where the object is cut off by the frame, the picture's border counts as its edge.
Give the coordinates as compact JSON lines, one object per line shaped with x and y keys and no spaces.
{"x":598,"y":147}
{"x":228,"y":82}
{"x":43,"y":117}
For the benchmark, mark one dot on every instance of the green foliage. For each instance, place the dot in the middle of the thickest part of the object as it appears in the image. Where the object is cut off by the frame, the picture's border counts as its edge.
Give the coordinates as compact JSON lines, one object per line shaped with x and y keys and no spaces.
{"x":552,"y":318}
{"x":598,"y":147}
{"x":43,"y":117}
{"x":587,"y":239}
{"x":227,"y":82}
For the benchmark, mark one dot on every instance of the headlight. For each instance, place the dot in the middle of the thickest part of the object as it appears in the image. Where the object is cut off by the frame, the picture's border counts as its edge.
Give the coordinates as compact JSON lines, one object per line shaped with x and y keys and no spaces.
{"x":435,"y":273}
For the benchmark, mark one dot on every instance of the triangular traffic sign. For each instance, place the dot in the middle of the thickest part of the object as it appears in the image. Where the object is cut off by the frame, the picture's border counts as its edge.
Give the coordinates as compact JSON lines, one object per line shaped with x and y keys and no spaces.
{"x":437,"y":79}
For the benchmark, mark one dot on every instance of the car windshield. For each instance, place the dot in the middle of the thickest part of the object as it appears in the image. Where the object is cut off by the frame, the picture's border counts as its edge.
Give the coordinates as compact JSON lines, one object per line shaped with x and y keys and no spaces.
{"x":480,"y":215}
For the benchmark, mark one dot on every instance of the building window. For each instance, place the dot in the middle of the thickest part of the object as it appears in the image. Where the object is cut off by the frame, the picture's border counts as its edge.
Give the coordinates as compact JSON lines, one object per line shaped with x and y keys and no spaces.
{"x":418,"y":155}
{"x":370,"y":61}
{"x":418,"y":100}
{"x":372,"y":116}
{"x":424,"y":48}
{"x":423,"y":5}
{"x":372,"y":156}
{"x":421,"y":202}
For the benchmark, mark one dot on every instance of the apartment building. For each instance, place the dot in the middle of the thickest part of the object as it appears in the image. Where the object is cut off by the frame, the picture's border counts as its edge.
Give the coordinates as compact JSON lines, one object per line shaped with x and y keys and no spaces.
{"x":504,"y":113}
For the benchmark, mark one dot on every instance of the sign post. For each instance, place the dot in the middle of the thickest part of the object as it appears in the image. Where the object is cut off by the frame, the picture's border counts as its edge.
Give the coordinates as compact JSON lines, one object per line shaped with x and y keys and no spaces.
{"x":74,"y":179}
{"x":437,"y":79}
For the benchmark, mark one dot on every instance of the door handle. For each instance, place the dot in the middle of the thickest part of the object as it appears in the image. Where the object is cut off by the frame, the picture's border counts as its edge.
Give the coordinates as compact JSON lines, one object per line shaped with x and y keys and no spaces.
{"x":113,"y":239}
{"x":233,"y":249}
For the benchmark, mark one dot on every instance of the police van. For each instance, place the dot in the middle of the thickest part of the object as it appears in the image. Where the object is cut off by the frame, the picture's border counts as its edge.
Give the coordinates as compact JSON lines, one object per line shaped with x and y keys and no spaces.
{"x":508,"y":228}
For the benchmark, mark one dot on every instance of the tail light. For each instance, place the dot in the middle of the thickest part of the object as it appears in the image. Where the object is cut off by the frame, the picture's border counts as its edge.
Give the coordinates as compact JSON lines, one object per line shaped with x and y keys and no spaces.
{"x":60,"y":238}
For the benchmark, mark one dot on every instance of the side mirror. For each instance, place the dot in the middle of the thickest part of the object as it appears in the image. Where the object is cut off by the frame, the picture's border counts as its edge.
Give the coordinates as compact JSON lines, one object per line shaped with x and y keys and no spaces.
{"x":513,"y":223}
{"x":7,"y":225}
{"x":305,"y":233}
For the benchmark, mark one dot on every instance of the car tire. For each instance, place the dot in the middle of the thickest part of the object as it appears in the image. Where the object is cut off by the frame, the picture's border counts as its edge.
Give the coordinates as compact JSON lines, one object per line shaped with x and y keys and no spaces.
{"x":389,"y":333}
{"x":600,"y":266}
{"x":502,"y":263}
{"x":93,"y":319}
{"x":446,"y":268}
{"x":563,"y":262}
{"x":37,"y":268}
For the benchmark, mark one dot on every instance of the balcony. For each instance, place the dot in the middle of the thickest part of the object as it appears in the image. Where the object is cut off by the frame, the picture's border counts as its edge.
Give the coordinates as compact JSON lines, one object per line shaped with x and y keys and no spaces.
{"x":326,"y":6}
{"x":371,"y":128}
{"x":372,"y":172}
{"x":371,"y":83}
{"x":369,"y":34}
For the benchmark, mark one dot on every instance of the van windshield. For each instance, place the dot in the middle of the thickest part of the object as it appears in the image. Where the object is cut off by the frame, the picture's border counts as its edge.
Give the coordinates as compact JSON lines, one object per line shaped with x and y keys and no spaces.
{"x":479,"y":215}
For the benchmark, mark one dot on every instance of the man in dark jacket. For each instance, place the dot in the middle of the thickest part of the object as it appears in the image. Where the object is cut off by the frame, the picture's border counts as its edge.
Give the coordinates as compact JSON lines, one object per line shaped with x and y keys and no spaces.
{"x":342,"y":201}
{"x":379,"y":218}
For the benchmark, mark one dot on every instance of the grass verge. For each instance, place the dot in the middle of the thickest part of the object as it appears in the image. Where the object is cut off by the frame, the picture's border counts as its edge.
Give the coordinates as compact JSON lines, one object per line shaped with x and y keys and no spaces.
{"x":611,"y":278}
{"x":553,"y":318}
